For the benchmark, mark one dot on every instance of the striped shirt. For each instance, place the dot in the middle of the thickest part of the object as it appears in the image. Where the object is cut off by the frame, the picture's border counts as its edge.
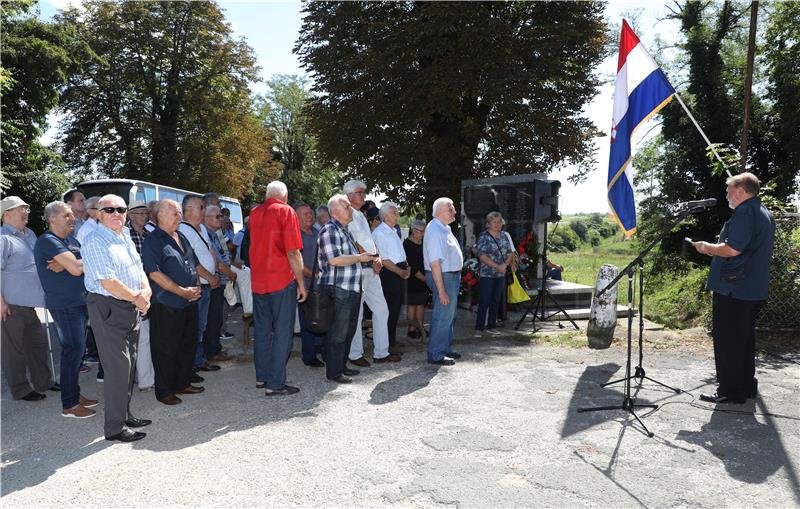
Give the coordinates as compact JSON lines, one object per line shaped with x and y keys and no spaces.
{"x":335,"y":241}
{"x":109,"y":255}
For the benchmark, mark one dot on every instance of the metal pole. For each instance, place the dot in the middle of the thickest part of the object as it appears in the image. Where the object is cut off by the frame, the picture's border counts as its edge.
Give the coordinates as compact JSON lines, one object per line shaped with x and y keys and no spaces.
{"x":702,"y":133}
{"x":748,"y":83}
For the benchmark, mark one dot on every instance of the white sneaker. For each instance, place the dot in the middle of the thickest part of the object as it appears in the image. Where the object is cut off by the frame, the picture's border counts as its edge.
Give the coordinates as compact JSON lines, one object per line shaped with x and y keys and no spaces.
{"x":478,"y":334}
{"x":493,"y":332}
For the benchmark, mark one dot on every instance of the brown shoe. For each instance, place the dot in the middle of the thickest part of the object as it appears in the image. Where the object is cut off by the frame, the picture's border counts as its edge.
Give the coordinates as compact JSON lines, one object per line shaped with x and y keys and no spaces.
{"x":86,"y":402}
{"x":170,"y":399}
{"x":191,"y":389}
{"x":389,"y":358}
{"x":78,"y":411}
{"x":361,"y":362}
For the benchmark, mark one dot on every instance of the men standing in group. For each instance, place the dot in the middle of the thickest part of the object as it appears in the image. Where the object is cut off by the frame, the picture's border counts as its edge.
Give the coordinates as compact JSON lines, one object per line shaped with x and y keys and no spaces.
{"x":192,"y":228}
{"x":371,"y":289}
{"x":739,"y":278}
{"x":443,"y":262}
{"x":395,"y":269}
{"x":211,"y":338}
{"x":309,"y":340}
{"x":58,"y":262}
{"x":24,"y":341}
{"x":77,"y":203}
{"x":171,"y":264}
{"x":118,"y":294}
{"x":90,"y":220}
{"x":138,"y":215}
{"x":278,"y":286}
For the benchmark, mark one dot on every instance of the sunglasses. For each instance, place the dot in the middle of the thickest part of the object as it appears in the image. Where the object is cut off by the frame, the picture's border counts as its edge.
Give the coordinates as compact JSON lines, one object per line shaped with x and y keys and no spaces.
{"x":111,"y":210}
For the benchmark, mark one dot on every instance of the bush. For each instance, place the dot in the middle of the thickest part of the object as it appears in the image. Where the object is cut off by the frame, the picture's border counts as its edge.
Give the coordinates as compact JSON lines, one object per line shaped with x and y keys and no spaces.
{"x":580,"y":229}
{"x":678,"y":299}
{"x":562,"y":240}
{"x":594,"y":238}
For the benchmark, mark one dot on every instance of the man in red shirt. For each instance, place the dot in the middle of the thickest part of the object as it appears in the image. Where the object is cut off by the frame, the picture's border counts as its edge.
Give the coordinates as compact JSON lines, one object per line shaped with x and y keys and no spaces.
{"x":276,"y":267}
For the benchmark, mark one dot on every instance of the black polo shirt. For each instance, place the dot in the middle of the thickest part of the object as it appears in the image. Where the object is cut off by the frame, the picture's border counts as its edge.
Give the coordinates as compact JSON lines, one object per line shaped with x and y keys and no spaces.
{"x":160,"y":253}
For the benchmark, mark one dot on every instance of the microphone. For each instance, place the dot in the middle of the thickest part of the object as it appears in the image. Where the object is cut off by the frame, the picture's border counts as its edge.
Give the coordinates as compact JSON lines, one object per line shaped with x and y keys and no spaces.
{"x":698,"y":204}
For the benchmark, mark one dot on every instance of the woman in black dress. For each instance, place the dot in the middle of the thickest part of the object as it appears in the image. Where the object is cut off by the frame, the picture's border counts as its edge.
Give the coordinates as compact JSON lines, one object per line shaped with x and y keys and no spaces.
{"x":417,"y":292}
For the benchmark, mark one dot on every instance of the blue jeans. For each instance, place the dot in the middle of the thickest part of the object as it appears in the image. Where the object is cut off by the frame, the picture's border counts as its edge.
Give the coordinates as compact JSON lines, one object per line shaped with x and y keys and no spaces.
{"x":273,"y":328}
{"x":554,"y":274}
{"x":202,"y":320}
{"x":309,"y":340}
{"x":441,"y":337}
{"x":340,"y":336}
{"x":71,"y":327}
{"x":491,"y":289}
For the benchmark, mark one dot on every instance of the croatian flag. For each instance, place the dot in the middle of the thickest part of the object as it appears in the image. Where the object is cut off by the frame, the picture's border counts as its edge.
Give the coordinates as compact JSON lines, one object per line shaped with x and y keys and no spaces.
{"x":641,"y":91}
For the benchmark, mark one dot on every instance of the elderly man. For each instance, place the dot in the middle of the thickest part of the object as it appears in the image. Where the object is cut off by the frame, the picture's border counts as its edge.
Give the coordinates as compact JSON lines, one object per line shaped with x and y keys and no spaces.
{"x":196,"y":233}
{"x":171,"y":264}
{"x":138,"y":215}
{"x":277,"y":281}
{"x":739,"y":278}
{"x":24,"y":343}
{"x":340,"y":268}
{"x":118,"y":293}
{"x":90,"y":221}
{"x":58,"y":262}
{"x":371,"y":289}
{"x":309,"y":340}
{"x":150,"y":225}
{"x":395,"y":269}
{"x":77,"y":203}
{"x":322,"y":217}
{"x":213,"y":332}
{"x":443,"y":261}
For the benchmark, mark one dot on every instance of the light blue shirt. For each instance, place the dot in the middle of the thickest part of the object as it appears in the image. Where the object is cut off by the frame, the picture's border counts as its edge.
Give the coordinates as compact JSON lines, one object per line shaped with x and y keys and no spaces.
{"x":20,"y":281}
{"x":108,"y":255}
{"x":440,"y":244}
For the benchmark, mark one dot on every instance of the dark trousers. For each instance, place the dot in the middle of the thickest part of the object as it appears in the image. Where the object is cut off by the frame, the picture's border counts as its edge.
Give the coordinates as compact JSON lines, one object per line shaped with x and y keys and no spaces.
{"x":24,"y":349}
{"x":309,"y":340}
{"x":393,"y":291}
{"x":211,"y":343}
{"x":173,"y":333}
{"x":345,"y":319}
{"x":91,"y":349}
{"x":273,"y":330}
{"x":116,"y":330}
{"x":733,"y":330}
{"x":491,"y":291}
{"x":71,"y":327}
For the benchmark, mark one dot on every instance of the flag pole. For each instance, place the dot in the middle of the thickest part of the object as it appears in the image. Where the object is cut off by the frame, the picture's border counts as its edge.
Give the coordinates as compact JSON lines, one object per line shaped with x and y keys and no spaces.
{"x":703,"y":134}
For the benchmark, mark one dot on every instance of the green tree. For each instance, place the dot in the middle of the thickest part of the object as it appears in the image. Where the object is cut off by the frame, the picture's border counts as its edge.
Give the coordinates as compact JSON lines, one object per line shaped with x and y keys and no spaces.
{"x":416,"y":96}
{"x":163,"y":97}
{"x":282,"y":112}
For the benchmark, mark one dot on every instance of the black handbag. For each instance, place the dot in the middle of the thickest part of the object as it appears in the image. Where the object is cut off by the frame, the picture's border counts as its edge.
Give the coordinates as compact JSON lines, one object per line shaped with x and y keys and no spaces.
{"x":319,"y":304}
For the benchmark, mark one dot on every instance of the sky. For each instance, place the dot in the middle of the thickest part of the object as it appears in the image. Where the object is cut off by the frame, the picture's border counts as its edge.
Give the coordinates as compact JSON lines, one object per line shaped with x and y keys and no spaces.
{"x":271,"y":29}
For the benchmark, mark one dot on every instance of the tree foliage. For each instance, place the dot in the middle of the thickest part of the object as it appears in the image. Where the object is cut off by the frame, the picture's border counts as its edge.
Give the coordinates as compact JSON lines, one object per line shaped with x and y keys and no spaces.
{"x":282,"y":112}
{"x":163,"y":96}
{"x":416,"y":96}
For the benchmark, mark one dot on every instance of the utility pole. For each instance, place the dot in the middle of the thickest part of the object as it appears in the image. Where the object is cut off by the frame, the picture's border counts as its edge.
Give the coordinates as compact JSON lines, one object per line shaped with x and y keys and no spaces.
{"x":748,"y":83}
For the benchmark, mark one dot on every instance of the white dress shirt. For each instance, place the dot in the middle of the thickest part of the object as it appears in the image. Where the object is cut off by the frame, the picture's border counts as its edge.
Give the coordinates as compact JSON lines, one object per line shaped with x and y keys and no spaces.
{"x":86,"y":228}
{"x":201,"y":245}
{"x":359,"y":229}
{"x":389,"y":244}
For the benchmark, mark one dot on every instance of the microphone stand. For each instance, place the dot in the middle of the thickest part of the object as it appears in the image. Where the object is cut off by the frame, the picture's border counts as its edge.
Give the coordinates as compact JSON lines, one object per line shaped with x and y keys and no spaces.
{"x":637,"y":264}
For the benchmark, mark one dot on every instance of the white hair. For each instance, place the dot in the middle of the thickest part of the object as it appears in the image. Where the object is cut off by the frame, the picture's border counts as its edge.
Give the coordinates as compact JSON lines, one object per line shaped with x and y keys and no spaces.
{"x":338,"y":201}
{"x":351,"y":186}
{"x":54,"y":208}
{"x":91,"y":201}
{"x":441,"y":203}
{"x":210,"y":209}
{"x":386,"y":208}
{"x":277,"y":189}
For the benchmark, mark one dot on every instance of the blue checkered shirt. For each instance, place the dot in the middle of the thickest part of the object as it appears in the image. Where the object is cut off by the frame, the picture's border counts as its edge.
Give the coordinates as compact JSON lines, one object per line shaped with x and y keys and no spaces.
{"x":108,"y":255}
{"x":335,"y":241}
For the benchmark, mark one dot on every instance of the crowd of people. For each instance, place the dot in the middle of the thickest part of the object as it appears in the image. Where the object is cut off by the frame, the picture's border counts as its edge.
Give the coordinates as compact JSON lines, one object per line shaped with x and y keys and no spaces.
{"x":144,"y":290}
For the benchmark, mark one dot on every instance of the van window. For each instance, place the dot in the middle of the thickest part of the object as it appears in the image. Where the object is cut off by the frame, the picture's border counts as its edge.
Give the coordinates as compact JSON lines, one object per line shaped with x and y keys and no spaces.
{"x":236,"y":210}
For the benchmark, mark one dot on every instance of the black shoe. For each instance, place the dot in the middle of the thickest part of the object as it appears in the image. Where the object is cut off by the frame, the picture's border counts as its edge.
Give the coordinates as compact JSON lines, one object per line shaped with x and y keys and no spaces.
{"x":753,"y":389}
{"x":286,"y":390}
{"x":350,"y":372}
{"x":133,"y":422}
{"x":342,"y":379}
{"x":717,"y":399}
{"x":196,"y":379}
{"x":56,"y":387}
{"x":445,"y":361}
{"x":33,"y":396}
{"x":127,"y":435}
{"x":454,"y":355}
{"x":314,"y":363}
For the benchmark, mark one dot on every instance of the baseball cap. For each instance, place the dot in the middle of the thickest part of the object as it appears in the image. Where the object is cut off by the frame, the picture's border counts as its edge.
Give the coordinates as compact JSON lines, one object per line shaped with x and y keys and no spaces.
{"x":11,"y":202}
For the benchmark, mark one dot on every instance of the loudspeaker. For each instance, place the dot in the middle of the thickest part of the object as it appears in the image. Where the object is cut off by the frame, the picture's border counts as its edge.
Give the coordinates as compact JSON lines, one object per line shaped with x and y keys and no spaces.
{"x":545,"y":201}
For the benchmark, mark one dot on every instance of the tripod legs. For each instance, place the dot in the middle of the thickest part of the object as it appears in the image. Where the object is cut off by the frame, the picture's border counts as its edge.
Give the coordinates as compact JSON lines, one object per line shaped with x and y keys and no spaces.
{"x":628,"y":405}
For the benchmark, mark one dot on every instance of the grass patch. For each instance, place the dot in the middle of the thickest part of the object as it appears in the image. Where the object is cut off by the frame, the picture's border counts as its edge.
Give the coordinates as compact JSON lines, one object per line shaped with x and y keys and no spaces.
{"x":572,"y":339}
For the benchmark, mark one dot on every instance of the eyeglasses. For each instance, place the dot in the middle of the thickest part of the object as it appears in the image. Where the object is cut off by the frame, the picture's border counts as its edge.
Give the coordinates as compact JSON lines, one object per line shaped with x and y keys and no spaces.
{"x":92,"y":208}
{"x":111,"y":210}
{"x":418,"y":230}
